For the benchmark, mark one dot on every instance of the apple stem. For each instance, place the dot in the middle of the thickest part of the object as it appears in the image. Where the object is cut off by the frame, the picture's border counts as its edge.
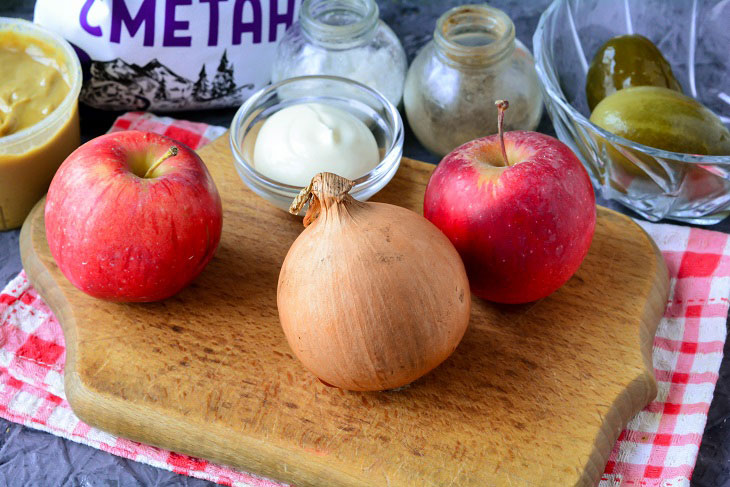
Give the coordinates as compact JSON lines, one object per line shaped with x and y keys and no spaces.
{"x":502,"y":105}
{"x":171,"y":152}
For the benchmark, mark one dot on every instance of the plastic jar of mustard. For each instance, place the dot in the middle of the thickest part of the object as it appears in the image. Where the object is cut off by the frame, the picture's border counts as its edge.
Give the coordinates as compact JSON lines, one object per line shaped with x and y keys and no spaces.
{"x":29,"y":157}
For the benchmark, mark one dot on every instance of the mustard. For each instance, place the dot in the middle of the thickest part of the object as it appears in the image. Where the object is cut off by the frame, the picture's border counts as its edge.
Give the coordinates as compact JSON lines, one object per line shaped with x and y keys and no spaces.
{"x":32,"y":86}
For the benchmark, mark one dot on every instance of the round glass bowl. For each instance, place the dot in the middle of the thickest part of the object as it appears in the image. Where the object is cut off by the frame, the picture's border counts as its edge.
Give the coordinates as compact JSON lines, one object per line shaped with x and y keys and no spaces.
{"x":368,"y":105}
{"x":30,"y":157}
{"x":693,"y":37}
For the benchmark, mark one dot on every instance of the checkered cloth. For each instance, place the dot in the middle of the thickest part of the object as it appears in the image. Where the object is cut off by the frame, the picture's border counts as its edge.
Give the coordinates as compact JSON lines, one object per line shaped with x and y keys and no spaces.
{"x":658,"y":448}
{"x":33,"y":353}
{"x":192,"y":134}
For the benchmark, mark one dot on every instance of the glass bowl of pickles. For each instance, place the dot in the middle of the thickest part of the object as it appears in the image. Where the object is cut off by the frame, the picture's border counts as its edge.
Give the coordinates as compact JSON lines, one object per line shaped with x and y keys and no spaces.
{"x":639,"y":91}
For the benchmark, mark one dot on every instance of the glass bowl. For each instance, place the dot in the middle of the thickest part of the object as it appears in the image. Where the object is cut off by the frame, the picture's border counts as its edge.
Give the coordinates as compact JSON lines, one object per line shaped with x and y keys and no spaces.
{"x":368,"y":105}
{"x":693,"y":37}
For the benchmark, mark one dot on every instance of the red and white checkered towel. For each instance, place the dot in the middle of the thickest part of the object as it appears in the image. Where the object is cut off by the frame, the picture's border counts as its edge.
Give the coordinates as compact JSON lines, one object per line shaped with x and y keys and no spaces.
{"x":33,"y":353}
{"x":658,"y":448}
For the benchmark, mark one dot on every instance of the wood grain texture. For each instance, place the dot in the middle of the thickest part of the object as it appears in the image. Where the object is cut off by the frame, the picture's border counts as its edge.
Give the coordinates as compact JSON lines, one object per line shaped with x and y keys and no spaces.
{"x":535,"y":395}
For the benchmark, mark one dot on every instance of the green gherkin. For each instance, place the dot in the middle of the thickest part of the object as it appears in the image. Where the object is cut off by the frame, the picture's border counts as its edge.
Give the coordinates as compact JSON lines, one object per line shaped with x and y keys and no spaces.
{"x":664,"y":119}
{"x":626,"y":61}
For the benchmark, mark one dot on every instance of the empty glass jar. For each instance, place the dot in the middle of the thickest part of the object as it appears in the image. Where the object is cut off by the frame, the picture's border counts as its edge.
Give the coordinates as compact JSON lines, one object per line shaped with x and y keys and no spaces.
{"x":452,"y":84}
{"x":343,"y":38}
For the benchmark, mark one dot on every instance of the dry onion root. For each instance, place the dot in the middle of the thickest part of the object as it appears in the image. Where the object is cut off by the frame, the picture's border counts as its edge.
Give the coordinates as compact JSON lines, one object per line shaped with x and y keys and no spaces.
{"x":371,"y":296}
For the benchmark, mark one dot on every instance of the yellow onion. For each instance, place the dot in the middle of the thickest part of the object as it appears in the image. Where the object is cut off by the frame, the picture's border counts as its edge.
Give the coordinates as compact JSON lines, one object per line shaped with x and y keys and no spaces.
{"x":371,"y":296}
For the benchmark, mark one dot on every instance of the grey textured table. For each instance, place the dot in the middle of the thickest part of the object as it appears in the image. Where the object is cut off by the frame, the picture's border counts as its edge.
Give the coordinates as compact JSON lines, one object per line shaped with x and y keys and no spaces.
{"x":29,"y":457}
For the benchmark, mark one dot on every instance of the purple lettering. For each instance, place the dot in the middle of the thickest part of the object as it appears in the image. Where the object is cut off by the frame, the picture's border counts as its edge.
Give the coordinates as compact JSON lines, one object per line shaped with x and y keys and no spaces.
{"x":145,"y":14}
{"x":213,"y":21}
{"x":239,"y":27}
{"x":171,"y":25}
{"x":94,"y":30}
{"x":287,"y":18}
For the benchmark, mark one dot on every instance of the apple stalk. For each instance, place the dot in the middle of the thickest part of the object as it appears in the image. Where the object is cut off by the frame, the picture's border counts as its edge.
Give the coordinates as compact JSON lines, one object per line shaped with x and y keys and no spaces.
{"x":171,"y":152}
{"x":502,"y":105}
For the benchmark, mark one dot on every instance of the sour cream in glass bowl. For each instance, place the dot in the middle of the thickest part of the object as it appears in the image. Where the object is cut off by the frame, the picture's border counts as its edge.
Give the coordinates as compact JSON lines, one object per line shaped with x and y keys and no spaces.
{"x":316,"y":104}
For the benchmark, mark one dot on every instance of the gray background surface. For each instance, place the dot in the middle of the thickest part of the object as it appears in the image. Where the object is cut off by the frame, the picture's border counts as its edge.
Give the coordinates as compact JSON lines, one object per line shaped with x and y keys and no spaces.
{"x":29,"y":457}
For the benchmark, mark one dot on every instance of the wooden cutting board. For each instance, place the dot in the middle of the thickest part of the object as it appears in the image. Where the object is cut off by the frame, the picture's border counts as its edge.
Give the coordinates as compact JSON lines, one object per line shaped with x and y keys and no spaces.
{"x":535,"y":395}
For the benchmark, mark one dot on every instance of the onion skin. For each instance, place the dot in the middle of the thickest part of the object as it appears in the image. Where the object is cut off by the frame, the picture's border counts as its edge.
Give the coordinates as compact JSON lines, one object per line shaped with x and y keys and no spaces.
{"x":371,"y":296}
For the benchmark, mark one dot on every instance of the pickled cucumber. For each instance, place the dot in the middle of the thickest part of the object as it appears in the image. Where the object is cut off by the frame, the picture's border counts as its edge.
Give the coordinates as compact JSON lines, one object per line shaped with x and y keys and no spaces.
{"x":626,"y":61}
{"x":664,"y":119}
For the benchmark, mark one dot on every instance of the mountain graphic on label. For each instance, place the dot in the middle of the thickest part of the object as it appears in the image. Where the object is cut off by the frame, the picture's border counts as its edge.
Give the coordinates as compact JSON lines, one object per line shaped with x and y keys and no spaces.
{"x":154,"y":86}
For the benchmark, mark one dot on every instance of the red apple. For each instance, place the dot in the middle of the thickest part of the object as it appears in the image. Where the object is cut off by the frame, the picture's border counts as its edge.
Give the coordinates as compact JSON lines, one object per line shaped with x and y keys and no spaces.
{"x":522,"y":229}
{"x":132,"y":216}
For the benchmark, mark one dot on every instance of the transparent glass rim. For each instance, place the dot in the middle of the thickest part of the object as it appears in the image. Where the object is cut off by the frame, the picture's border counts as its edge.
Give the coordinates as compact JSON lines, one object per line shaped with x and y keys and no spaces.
{"x":331,"y":33}
{"x":30,"y":29}
{"x":555,"y":93}
{"x":390,"y":158}
{"x":489,"y":53}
